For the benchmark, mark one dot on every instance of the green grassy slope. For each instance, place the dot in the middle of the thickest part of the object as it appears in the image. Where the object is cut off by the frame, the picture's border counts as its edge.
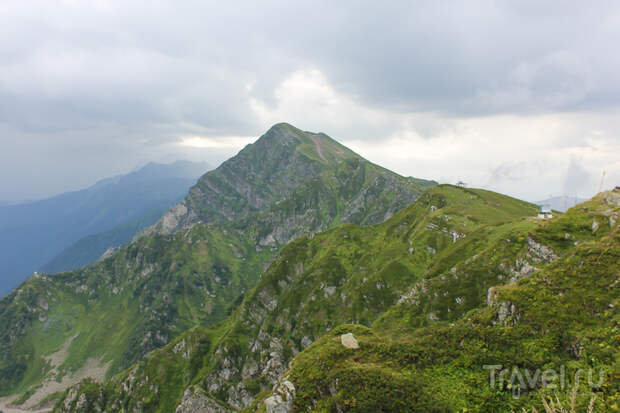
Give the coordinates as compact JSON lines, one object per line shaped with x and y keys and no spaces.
{"x":563,"y":316}
{"x":124,"y":307}
{"x":426,"y":269}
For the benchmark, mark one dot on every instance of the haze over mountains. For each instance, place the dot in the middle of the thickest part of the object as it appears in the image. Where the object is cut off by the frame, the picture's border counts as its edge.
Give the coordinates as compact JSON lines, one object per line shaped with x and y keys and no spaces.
{"x":562,"y":203}
{"x":49,"y":234}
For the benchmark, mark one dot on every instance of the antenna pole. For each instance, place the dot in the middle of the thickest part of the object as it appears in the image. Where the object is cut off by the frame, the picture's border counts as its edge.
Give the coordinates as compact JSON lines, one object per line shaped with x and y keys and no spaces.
{"x":600,"y":188}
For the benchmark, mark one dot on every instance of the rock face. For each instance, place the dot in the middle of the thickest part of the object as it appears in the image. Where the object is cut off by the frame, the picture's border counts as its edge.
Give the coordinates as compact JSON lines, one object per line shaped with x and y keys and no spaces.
{"x":172,"y":219}
{"x":540,"y":252}
{"x":108,"y":253}
{"x":282,"y":399}
{"x":196,"y":401}
{"x":349,"y":341}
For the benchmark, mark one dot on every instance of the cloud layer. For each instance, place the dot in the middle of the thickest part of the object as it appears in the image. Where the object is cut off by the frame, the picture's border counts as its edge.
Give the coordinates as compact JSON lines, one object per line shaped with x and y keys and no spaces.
{"x":502,"y":95}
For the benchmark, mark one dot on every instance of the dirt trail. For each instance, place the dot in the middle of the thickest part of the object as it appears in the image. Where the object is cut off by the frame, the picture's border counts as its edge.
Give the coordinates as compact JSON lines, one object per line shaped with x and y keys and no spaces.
{"x":317,"y":142}
{"x":93,"y":368}
{"x":4,"y":402}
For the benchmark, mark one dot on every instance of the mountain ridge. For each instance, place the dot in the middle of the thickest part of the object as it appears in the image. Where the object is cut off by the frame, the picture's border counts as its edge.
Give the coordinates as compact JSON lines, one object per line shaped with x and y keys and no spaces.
{"x":164,"y":283}
{"x":282,"y":351}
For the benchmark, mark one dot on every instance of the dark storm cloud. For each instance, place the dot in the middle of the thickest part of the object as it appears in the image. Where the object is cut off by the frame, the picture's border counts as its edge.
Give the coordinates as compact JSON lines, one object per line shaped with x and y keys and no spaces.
{"x":118,"y":75}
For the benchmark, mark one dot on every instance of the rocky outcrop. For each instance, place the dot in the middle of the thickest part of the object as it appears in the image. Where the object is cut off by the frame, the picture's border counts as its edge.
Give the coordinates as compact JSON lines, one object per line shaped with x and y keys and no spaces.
{"x":507,"y":313}
{"x":108,"y":253}
{"x":196,"y":401}
{"x":522,"y":268}
{"x":349,"y":341}
{"x":539,"y":252}
{"x":178,"y":217}
{"x":282,"y":399}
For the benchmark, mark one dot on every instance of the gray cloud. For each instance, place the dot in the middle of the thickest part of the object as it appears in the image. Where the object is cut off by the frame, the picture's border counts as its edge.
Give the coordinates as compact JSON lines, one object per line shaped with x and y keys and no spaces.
{"x":471,"y":58}
{"x":101,"y":85}
{"x":515,"y":172}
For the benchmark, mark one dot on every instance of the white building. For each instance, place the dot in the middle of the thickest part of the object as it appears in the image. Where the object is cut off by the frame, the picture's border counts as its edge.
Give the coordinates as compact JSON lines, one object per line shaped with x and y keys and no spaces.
{"x":545,"y":212}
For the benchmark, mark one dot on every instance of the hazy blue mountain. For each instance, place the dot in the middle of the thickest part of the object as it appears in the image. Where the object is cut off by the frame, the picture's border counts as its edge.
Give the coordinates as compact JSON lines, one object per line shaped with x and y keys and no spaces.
{"x":9,"y":202}
{"x":562,"y":203}
{"x":90,"y":248}
{"x":33,"y":234}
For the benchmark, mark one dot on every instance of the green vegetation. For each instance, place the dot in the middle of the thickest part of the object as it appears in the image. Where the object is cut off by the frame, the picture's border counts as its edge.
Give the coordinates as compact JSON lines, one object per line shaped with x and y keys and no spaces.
{"x":432,"y":292}
{"x":562,"y":316}
{"x":191,"y":269}
{"x":460,"y":285}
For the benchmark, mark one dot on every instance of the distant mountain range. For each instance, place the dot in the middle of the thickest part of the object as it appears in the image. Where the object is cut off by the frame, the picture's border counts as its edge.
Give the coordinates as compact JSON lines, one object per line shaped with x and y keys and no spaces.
{"x":8,"y":202}
{"x":73,"y":229}
{"x":562,"y":203}
{"x":90,"y":248}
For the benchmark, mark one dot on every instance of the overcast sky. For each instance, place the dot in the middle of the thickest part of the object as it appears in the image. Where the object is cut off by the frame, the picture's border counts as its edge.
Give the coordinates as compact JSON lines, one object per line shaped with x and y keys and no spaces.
{"x":521,"y":97}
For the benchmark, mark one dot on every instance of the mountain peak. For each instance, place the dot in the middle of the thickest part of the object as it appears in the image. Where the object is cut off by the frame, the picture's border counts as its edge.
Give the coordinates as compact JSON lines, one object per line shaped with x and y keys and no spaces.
{"x":285,"y":160}
{"x":281,"y":134}
{"x":282,"y":127}
{"x":315,"y":146}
